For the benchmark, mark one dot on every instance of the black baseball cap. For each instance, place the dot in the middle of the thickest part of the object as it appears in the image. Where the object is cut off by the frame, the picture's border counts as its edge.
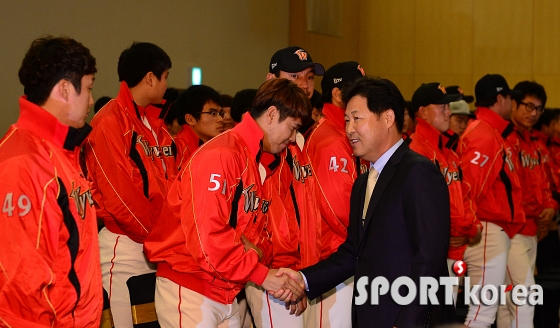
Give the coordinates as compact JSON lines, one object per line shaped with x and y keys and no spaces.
{"x":292,"y":60}
{"x":340,"y":75}
{"x":491,"y":85}
{"x":431,"y":93}
{"x":457,"y":90}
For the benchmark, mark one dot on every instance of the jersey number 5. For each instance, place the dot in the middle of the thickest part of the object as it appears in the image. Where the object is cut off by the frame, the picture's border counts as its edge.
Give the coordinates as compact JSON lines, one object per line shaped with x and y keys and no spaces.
{"x":215,"y":184}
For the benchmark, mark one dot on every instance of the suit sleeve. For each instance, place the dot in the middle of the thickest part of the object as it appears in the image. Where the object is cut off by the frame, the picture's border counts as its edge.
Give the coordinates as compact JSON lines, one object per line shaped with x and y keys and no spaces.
{"x":110,"y":166}
{"x":341,"y":264}
{"x":29,"y":244}
{"x":205,"y":218}
{"x":335,"y":171}
{"x":426,"y":212}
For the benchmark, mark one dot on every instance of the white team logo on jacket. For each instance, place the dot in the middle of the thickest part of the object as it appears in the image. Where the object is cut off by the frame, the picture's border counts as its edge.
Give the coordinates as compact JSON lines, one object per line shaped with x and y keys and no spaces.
{"x":81,"y":199}
{"x":300,"y":172}
{"x":252,"y":201}
{"x":528,"y":161}
{"x":154,"y":151}
{"x":450,"y":176}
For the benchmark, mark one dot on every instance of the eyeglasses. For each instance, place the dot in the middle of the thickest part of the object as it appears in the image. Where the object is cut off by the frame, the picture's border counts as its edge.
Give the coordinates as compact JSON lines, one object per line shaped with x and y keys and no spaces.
{"x":215,"y":113}
{"x":530,"y":107}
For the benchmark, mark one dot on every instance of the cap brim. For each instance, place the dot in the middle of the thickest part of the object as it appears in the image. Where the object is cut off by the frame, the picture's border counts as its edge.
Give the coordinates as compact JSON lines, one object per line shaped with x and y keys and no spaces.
{"x":448,"y":98}
{"x":318,"y":69}
{"x":468,"y":99}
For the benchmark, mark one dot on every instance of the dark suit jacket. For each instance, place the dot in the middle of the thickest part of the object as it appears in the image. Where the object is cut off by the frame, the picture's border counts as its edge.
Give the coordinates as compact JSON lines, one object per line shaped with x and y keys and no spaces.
{"x":406,"y":233}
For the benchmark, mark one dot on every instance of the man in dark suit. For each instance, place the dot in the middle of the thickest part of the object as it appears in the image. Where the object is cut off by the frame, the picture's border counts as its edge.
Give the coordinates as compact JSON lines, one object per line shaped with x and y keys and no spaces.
{"x":404,"y":231}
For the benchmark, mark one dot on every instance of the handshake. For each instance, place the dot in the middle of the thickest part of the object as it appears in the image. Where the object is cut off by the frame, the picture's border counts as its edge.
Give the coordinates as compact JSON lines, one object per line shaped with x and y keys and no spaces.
{"x":288,"y":286}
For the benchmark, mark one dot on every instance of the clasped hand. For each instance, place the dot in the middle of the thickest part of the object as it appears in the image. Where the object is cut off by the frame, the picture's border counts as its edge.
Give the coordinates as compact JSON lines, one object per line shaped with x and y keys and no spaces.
{"x":287,"y":285}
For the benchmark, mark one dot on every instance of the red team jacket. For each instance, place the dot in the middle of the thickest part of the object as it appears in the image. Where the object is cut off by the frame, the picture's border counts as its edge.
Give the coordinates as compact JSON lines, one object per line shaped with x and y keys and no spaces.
{"x":489,"y":168}
{"x":547,"y":161}
{"x":125,"y":161}
{"x":533,"y":178}
{"x":49,"y":256}
{"x":294,"y":218}
{"x":187,"y":142}
{"x":427,"y":141}
{"x":216,"y":198}
{"x":329,"y":154}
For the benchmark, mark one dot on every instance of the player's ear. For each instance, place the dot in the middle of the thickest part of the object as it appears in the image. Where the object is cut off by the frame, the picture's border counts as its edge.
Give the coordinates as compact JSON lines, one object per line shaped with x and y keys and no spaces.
{"x":190,"y":119}
{"x":271,"y":114}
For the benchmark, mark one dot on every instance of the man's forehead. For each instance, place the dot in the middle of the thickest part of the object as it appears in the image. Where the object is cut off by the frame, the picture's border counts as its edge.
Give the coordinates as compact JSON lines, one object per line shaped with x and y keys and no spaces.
{"x":305,"y":71}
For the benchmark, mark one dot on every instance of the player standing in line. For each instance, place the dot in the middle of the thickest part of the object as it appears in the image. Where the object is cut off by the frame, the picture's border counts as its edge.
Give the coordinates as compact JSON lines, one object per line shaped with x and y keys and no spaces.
{"x":538,"y":205}
{"x":212,"y":237}
{"x":200,"y":115}
{"x":329,"y":154}
{"x":131,"y":163}
{"x":430,"y":103}
{"x":489,"y":167}
{"x":293,"y":216}
{"x":49,"y":256}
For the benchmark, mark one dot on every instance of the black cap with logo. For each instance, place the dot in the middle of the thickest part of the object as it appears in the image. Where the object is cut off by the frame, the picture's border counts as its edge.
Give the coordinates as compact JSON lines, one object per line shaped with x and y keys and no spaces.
{"x":340,"y":75}
{"x":431,"y":93}
{"x":490,"y":86}
{"x":457,"y":90}
{"x":292,"y":60}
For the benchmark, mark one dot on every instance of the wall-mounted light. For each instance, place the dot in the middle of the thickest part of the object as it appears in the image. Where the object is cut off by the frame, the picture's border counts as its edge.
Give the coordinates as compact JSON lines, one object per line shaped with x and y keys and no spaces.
{"x":196,"y":76}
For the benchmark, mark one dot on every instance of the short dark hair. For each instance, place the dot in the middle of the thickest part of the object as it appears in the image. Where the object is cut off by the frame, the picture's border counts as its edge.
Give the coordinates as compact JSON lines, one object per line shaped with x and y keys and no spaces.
{"x":140,"y":59}
{"x":530,"y":88}
{"x":381,"y":95}
{"x":192,"y":101}
{"x":488,"y":102}
{"x":242,"y":103}
{"x":548,"y":116}
{"x":50,"y":60}
{"x":316,"y":100}
{"x":287,"y":97}
{"x":225,"y":100}
{"x":100,"y":103}
{"x":171,"y":95}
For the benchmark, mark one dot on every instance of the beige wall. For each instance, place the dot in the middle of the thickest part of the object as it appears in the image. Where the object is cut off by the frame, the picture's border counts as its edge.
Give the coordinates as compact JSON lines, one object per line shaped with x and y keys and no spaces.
{"x":450,"y":41}
{"x":231,"y":40}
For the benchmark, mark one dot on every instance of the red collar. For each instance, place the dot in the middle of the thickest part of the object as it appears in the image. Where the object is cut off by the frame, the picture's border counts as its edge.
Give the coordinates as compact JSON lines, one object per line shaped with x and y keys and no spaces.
{"x":425,"y":131}
{"x":188,"y":135}
{"x":45,"y":125}
{"x":126,"y":100}
{"x":251,"y":134}
{"x":489,"y":116}
{"x":334,"y":114}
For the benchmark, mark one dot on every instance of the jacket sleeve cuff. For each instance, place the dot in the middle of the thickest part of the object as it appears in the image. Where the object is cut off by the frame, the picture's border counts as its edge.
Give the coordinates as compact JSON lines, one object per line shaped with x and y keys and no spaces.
{"x":551,"y":204}
{"x":259,"y":274}
{"x":474,"y":229}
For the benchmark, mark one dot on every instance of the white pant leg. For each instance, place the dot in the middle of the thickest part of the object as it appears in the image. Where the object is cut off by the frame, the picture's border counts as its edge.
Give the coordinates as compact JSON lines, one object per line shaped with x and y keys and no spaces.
{"x":520,"y":271}
{"x":269,"y":312}
{"x":121,"y":258}
{"x":334,"y":308}
{"x":178,"y":306}
{"x":486,"y":265}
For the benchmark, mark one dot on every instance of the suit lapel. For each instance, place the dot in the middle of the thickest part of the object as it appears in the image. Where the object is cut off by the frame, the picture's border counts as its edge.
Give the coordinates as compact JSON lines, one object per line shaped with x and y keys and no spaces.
{"x":382,"y":183}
